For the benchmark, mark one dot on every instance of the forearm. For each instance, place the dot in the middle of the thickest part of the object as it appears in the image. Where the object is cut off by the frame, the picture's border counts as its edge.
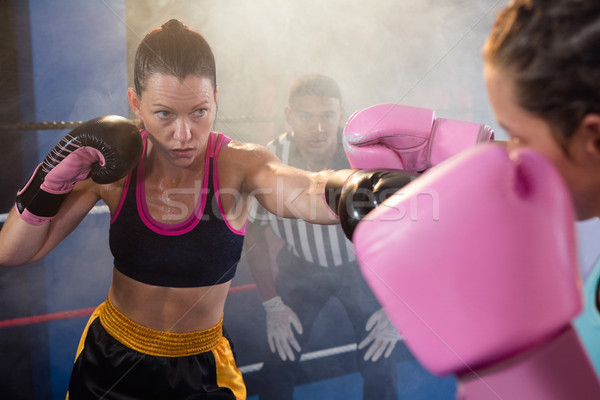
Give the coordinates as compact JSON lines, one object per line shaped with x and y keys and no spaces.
{"x":20,"y":241}
{"x":289,"y":192}
{"x":259,"y":261}
{"x":309,"y":203}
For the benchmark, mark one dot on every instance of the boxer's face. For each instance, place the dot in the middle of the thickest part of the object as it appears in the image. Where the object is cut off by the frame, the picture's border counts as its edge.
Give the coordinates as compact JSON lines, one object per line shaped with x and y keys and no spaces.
{"x":523,"y":128}
{"x":315,"y":121}
{"x":177,"y":115}
{"x":529,"y":130}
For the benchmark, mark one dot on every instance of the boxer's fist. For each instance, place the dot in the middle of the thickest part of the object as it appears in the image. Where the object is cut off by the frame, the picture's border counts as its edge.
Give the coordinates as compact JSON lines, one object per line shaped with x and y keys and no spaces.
{"x":408,"y":138}
{"x":105,"y":149}
{"x":476,"y":261}
{"x":353,"y":198}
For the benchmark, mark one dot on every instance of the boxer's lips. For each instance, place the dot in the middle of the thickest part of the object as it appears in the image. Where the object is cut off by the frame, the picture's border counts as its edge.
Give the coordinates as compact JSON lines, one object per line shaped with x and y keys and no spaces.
{"x":183,"y":152}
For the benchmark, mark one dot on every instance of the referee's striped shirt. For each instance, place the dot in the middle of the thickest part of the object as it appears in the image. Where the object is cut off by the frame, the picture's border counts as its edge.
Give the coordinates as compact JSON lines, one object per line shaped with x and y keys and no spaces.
{"x":324,"y":245}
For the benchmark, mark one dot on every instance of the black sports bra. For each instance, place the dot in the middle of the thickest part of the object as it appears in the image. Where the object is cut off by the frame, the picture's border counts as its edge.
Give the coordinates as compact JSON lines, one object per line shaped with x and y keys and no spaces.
{"x":203,"y":250}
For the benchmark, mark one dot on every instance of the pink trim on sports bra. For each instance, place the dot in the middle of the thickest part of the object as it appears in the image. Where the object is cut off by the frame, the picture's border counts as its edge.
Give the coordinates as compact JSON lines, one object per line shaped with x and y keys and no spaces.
{"x":121,"y":200}
{"x":171,"y":229}
{"x":213,"y":150}
{"x":222,"y":142}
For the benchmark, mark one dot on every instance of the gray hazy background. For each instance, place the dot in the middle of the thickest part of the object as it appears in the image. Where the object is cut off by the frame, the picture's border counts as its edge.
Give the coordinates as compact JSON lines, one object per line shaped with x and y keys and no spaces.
{"x":416,"y":52}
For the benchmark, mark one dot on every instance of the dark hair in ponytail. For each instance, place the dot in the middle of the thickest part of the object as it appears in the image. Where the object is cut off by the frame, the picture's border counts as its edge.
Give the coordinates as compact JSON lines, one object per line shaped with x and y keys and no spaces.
{"x":173,"y":49}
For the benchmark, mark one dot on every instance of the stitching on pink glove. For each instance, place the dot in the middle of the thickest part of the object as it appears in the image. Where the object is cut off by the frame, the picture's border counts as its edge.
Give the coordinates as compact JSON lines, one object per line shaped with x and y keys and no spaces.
{"x":74,"y":168}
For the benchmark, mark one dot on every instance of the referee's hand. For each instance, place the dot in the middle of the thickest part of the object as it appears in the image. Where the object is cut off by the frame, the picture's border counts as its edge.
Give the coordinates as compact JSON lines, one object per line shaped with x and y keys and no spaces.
{"x":280,"y":319}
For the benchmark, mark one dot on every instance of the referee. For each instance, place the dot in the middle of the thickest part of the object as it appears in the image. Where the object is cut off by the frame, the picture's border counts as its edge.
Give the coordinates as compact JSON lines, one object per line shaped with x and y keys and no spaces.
{"x":316,"y":262}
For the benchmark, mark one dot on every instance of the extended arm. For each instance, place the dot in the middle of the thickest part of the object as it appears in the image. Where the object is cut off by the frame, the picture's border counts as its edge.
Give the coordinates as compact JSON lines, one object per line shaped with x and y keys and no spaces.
{"x":322,"y":197}
{"x":287,"y":191}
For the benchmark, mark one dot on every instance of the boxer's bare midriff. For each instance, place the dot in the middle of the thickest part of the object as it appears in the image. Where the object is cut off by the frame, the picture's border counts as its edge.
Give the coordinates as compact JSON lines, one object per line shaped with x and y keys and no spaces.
{"x":168,"y":309}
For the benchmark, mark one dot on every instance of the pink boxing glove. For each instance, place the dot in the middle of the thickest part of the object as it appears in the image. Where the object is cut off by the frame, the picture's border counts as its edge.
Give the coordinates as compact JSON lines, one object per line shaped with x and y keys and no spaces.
{"x":412,"y":139}
{"x":104,"y":148}
{"x":475,"y":263}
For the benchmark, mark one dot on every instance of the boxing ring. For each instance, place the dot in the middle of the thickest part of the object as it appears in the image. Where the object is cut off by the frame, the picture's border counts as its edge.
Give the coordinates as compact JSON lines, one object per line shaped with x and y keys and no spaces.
{"x":56,"y":325}
{"x":64,"y":75}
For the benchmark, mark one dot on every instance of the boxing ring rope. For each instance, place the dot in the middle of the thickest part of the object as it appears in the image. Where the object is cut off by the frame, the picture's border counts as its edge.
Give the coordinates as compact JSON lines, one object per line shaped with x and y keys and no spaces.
{"x":40,"y":126}
{"x":58,"y":125}
{"x":313,"y":355}
{"x":3,"y":218}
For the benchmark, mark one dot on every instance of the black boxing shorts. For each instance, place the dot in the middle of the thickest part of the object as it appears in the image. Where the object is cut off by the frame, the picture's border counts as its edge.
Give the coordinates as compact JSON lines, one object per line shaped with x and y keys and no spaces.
{"x":119,"y":359}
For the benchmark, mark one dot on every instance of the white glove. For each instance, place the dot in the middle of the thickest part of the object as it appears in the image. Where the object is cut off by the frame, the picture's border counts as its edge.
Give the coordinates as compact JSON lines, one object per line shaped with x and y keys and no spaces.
{"x":280,"y":319}
{"x":383,"y":335}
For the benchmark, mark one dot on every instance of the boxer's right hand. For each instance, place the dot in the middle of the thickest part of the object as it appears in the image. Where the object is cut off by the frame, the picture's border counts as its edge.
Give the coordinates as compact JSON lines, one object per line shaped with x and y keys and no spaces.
{"x":354,"y":197}
{"x":105,"y":149}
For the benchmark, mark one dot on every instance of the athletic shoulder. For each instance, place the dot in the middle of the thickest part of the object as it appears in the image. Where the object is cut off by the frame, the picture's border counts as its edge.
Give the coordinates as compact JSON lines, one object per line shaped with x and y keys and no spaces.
{"x":248,"y":154}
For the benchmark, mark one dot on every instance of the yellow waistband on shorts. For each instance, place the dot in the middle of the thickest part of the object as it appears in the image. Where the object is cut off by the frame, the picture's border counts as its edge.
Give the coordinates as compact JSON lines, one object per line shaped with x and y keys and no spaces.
{"x":154,"y":342}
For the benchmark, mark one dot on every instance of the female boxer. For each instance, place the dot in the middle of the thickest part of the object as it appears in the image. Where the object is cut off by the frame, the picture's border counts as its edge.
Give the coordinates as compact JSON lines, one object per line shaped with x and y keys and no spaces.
{"x":542,"y":70}
{"x":177,"y":225}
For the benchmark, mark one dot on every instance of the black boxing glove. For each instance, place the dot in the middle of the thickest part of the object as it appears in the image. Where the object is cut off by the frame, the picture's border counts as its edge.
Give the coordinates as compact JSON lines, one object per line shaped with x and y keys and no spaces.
{"x":104,"y":148}
{"x":361,"y":192}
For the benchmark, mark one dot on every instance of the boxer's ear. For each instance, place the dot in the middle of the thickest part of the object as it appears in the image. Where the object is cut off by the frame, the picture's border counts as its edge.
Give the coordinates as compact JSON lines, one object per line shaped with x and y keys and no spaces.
{"x":590,"y":134}
{"x":134,"y":102}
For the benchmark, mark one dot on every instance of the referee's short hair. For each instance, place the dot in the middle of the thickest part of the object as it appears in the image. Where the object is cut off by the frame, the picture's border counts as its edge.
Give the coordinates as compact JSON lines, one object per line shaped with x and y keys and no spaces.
{"x":315,"y":85}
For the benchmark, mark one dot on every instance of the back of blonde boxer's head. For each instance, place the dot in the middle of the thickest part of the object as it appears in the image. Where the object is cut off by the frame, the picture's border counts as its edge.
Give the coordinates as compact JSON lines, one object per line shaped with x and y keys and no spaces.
{"x":551,"y":51}
{"x":173,"y":49}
